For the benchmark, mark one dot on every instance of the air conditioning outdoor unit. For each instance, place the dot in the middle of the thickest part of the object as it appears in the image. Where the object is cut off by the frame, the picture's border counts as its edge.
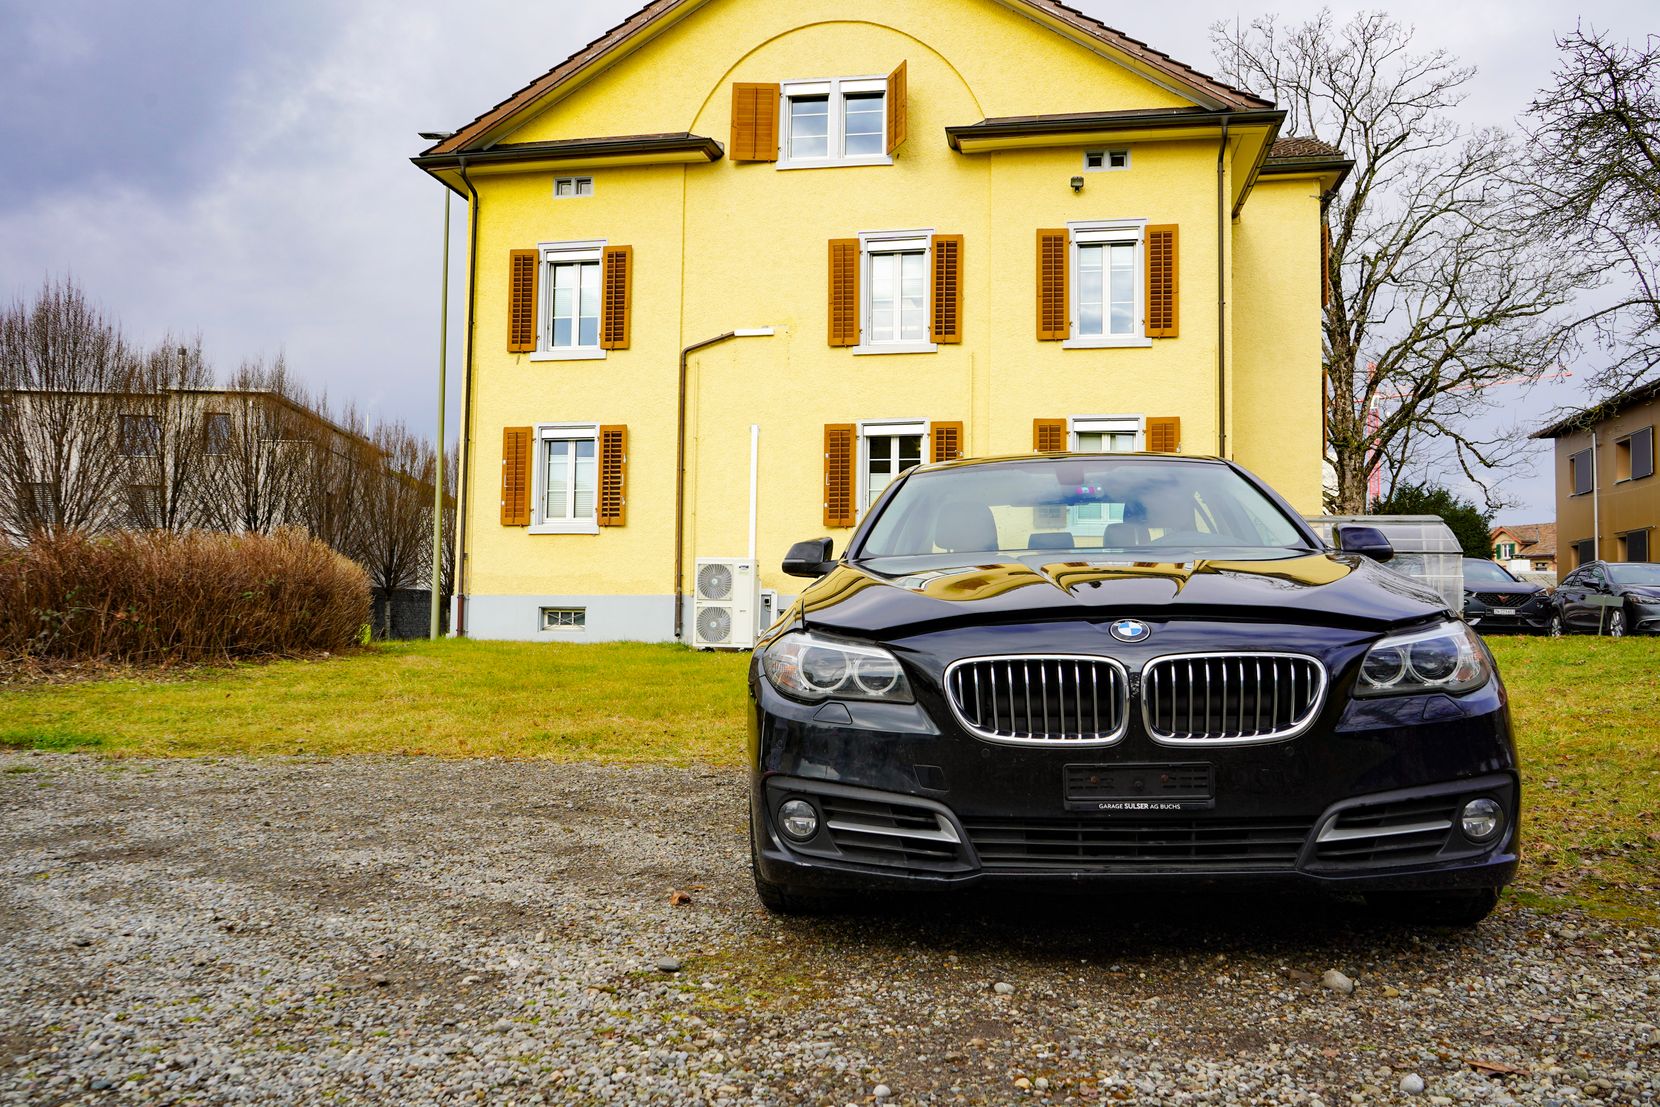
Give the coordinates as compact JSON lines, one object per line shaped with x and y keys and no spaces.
{"x":725,"y":604}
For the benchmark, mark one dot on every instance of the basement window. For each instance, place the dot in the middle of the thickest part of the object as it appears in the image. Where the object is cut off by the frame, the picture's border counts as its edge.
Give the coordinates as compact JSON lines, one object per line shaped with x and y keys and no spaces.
{"x":564,"y":618}
{"x":572,"y":188}
{"x":1104,"y":161}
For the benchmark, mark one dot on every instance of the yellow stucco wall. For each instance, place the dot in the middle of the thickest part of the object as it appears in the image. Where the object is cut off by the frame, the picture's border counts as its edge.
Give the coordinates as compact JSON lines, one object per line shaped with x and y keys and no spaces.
{"x":1277,"y":389}
{"x":728,"y":245}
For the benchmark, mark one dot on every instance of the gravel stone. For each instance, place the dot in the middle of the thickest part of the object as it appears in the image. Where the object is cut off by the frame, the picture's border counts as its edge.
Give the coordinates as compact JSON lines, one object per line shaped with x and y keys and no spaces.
{"x":375,"y":930}
{"x":1335,"y":981}
{"x":668,"y":964}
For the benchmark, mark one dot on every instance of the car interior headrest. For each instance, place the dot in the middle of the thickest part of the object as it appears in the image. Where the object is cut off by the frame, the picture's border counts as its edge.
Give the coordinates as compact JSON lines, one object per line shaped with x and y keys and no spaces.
{"x":966,"y":528}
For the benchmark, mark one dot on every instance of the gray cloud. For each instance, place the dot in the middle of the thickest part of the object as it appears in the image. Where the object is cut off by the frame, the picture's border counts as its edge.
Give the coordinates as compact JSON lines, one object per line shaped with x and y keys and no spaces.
{"x":242,"y":169}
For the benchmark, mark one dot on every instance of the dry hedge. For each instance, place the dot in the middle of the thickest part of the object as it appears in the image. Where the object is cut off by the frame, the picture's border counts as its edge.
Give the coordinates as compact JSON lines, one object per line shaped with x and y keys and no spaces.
{"x":152,"y":598}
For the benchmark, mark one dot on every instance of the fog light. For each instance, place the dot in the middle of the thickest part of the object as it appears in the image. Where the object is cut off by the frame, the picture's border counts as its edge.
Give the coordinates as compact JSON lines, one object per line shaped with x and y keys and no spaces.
{"x":1481,"y":820}
{"x":798,"y":819}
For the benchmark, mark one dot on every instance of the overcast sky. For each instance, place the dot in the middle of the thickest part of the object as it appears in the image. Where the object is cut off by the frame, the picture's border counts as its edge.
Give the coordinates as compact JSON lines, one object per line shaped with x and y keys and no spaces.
{"x":241,"y":170}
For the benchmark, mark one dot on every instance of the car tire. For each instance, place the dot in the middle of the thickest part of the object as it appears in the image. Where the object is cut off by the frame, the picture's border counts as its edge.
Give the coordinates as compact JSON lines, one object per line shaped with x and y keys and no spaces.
{"x":1453,"y":909}
{"x":1556,"y":629}
{"x":1616,"y":623}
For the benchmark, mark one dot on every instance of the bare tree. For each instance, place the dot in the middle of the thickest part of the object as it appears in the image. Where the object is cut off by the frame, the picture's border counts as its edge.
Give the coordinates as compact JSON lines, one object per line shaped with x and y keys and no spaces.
{"x":1439,"y":286}
{"x":253,"y":470}
{"x":397,"y":509}
{"x":1596,"y":139}
{"x":336,"y":463}
{"x":65,"y":373}
{"x":166,"y":425}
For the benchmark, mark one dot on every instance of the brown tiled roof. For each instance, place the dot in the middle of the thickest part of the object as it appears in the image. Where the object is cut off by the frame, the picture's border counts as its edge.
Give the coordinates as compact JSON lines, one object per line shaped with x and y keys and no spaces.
{"x":1591,"y":416}
{"x":1202,"y":84}
{"x":1537,"y":539}
{"x":1299,"y":146}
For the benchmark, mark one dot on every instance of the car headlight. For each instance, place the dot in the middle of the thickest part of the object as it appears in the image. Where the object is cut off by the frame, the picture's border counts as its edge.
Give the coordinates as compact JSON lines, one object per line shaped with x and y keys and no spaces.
{"x":1445,"y":658}
{"x":809,"y":668}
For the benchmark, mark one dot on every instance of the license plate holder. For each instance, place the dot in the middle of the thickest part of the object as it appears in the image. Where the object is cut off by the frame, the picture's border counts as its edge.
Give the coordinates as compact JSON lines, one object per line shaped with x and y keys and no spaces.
{"x":1148,"y":788}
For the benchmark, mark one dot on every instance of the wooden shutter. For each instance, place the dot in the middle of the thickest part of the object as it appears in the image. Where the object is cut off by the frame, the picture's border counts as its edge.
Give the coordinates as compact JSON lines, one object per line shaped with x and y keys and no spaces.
{"x":616,"y":321}
{"x":1163,"y":280}
{"x":515,"y":477}
{"x":947,"y":441}
{"x":1054,"y":323}
{"x":1049,"y":436}
{"x":1164,"y":436}
{"x":521,"y":302}
{"x":613,"y":476}
{"x":840,"y":442}
{"x":899,"y":108}
{"x":947,"y":321}
{"x":844,"y":292}
{"x":754,"y":123}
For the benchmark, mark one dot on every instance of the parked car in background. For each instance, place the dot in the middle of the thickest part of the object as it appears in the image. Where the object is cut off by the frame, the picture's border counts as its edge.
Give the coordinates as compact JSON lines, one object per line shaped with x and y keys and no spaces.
{"x":1131,"y":673}
{"x":1615,"y":598}
{"x":1497,"y":601}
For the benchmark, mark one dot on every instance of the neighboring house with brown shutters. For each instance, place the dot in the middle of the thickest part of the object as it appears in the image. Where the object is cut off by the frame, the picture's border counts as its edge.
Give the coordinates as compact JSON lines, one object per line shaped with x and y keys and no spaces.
{"x":753,"y":260}
{"x":1607,"y":496}
{"x":1529,"y":547}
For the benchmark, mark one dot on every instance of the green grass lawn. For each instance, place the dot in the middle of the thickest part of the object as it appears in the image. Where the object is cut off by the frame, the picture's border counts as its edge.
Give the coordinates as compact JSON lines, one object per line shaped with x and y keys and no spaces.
{"x":1585,"y":712}
{"x":613,"y":703}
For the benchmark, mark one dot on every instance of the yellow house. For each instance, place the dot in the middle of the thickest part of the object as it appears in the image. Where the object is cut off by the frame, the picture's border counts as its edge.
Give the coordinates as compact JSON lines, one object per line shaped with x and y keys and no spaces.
{"x":737,"y":264}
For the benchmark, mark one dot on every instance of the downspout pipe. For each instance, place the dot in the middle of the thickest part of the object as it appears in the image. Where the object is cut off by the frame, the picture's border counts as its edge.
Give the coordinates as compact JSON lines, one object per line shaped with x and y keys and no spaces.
{"x":680,"y":468}
{"x":464,"y":469}
{"x":1222,"y":294}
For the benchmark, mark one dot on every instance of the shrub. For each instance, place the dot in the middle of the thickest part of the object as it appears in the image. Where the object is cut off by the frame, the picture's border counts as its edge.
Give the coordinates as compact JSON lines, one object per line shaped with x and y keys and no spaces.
{"x":152,"y":598}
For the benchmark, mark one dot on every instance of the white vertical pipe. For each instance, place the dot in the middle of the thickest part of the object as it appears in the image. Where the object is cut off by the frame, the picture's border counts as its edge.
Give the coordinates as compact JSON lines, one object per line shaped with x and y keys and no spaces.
{"x":754,"y":481}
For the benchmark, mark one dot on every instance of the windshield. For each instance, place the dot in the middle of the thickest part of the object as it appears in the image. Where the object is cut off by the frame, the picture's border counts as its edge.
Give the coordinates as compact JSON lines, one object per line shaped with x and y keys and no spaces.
{"x":1632,"y":572}
{"x":1135,"y":506}
{"x":1485,"y":572}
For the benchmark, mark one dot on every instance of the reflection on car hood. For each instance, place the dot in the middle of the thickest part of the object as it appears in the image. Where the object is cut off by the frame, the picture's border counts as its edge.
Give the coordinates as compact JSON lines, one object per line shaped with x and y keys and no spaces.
{"x":904,"y":595}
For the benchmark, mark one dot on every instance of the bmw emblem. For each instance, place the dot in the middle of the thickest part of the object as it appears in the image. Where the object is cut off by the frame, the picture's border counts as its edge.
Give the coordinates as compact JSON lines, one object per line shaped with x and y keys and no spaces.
{"x":1130,"y":630}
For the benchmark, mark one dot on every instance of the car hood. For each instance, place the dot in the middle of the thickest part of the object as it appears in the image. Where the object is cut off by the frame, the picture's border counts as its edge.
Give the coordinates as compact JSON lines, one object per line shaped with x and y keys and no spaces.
{"x":1642,"y":591}
{"x":896,"y":596}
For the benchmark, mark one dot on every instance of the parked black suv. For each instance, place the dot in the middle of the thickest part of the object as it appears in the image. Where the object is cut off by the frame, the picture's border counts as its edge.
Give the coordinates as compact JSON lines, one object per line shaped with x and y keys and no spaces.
{"x":1498,"y":602}
{"x":1127,"y":671}
{"x":1608,"y":597}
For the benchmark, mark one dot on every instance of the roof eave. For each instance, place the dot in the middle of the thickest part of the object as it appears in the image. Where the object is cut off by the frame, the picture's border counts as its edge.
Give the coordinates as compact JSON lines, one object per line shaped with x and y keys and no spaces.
{"x":1331,"y":171}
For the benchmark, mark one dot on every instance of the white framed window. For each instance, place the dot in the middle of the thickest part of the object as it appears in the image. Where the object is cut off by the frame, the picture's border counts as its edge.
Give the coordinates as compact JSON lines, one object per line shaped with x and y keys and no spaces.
{"x":564,"y":618}
{"x":1108,"y":297}
{"x":140,"y":435}
{"x":837,"y":121}
{"x":1106,"y":161}
{"x":566,"y":479}
{"x":886,"y":449}
{"x":1102,"y":434}
{"x":569,"y":311}
{"x":572,"y":188}
{"x":896,"y":288}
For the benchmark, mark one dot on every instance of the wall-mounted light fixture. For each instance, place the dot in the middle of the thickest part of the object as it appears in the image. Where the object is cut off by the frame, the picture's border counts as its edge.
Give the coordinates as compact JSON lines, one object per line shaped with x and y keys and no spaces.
{"x":1077,"y":184}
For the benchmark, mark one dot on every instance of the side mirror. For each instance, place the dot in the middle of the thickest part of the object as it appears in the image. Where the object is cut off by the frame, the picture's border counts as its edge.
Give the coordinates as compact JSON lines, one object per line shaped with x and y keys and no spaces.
{"x":809,"y":559}
{"x":1365,"y":541}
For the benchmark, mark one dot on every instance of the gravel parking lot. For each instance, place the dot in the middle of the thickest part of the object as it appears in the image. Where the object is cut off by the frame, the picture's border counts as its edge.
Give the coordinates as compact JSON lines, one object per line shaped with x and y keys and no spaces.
{"x":419,"y":931}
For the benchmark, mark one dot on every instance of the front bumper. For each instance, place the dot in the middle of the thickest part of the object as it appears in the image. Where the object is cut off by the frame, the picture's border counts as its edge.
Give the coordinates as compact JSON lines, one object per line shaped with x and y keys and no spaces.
{"x":1527,"y":618}
{"x":1366,"y":801}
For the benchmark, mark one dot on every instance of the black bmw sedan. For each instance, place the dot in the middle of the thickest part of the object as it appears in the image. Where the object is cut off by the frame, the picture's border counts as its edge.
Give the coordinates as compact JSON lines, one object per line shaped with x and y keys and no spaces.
{"x":1124,"y":671}
{"x":1615,"y":598}
{"x":1498,"y":602}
